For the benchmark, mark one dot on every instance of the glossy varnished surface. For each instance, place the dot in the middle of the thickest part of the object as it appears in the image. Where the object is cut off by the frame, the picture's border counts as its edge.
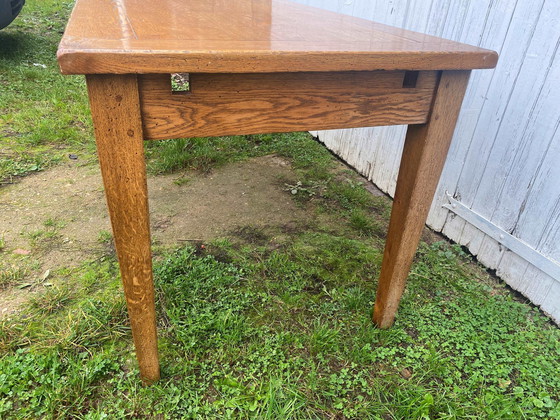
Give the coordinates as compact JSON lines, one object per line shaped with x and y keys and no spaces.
{"x":224,"y":36}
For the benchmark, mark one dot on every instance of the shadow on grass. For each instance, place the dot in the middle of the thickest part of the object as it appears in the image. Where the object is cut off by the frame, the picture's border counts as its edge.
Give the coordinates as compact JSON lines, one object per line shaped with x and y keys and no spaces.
{"x":16,"y":46}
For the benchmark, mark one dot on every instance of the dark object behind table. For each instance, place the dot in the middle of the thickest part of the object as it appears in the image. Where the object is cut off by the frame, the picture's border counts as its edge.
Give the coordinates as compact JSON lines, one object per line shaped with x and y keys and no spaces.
{"x":9,"y":9}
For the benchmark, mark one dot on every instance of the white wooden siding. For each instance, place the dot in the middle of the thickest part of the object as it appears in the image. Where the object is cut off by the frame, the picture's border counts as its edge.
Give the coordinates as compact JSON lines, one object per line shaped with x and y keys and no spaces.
{"x":504,"y":162}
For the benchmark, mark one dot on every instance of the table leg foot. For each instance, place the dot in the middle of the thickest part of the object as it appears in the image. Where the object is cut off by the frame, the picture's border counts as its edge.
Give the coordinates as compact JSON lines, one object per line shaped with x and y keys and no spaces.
{"x":118,"y":130}
{"x":422,"y":161}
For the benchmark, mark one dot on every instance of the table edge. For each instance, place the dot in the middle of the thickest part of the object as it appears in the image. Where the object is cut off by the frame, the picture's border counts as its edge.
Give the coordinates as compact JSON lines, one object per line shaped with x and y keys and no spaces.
{"x":83,"y":61}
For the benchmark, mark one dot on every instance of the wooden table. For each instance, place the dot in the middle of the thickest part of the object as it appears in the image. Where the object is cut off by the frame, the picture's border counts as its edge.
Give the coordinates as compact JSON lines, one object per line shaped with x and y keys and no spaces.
{"x":258,"y":66}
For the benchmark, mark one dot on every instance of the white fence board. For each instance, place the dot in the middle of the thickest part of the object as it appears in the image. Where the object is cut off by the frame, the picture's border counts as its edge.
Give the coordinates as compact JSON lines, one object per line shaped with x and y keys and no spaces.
{"x":489,"y":122}
{"x":504,"y":162}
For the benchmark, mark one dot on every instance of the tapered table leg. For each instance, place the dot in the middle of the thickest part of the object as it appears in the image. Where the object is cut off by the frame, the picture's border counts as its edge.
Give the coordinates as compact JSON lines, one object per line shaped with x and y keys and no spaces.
{"x":116,"y":116}
{"x":423,"y":157}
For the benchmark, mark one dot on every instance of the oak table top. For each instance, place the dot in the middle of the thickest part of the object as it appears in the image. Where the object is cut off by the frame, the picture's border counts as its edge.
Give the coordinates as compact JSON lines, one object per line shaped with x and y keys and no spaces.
{"x":257,"y":66}
{"x":217,"y":36}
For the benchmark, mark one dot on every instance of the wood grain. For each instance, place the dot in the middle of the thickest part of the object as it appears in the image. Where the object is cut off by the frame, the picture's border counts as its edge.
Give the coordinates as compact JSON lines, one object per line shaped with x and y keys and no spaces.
{"x":219,"y":104}
{"x":118,"y":131}
{"x":424,"y":153}
{"x":245,"y":36}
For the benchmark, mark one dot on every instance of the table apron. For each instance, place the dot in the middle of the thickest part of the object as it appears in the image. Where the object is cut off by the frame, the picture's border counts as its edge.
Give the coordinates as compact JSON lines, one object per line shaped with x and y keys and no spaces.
{"x":252,"y":103}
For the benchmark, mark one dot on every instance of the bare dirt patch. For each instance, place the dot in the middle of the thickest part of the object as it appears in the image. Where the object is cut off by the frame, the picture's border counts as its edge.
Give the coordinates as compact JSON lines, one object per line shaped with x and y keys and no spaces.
{"x":60,"y":215}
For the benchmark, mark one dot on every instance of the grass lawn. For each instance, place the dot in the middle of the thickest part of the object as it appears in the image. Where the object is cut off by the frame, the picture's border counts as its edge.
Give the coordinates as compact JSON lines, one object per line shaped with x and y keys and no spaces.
{"x":262,"y":323}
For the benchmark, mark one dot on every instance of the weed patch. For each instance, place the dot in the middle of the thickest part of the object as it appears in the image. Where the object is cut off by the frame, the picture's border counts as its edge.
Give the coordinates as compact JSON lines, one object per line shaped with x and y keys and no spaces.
{"x":286,"y":334}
